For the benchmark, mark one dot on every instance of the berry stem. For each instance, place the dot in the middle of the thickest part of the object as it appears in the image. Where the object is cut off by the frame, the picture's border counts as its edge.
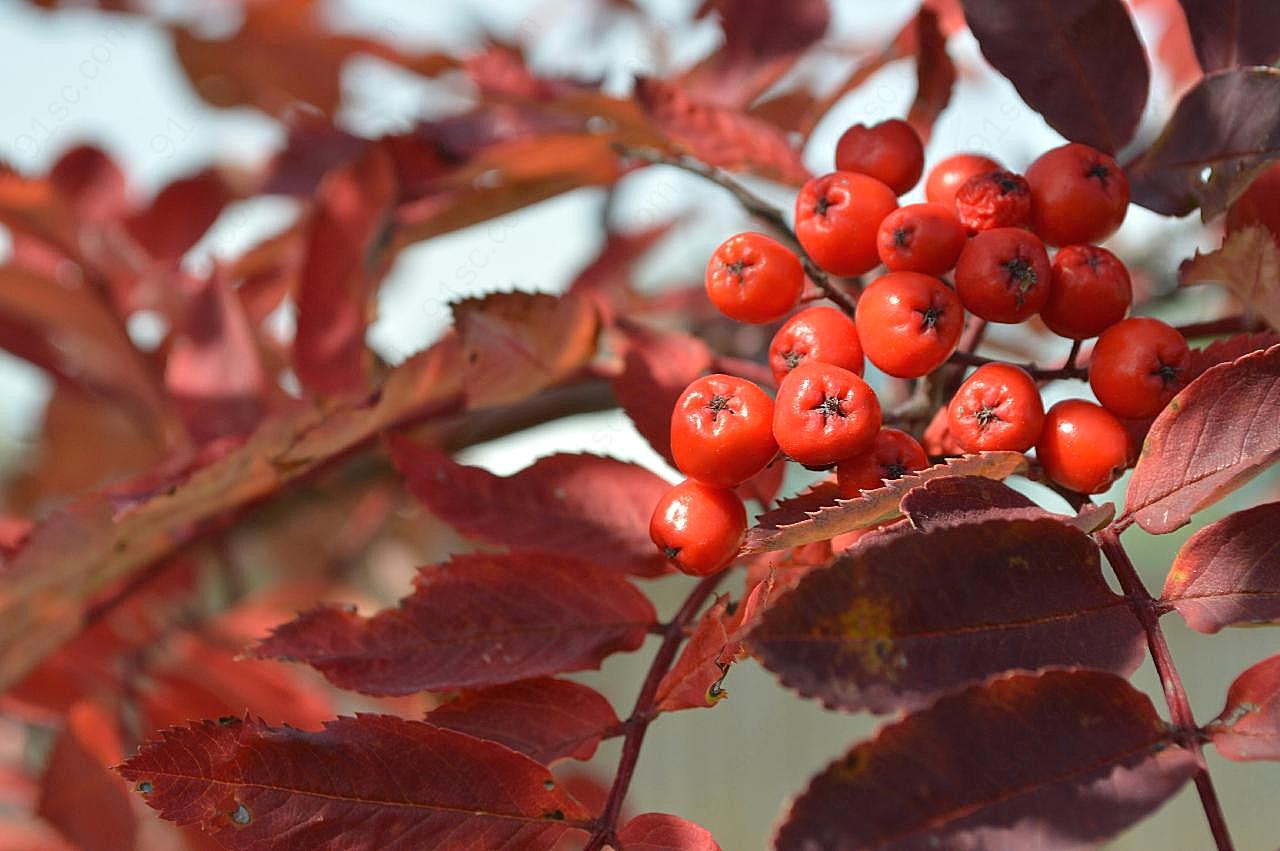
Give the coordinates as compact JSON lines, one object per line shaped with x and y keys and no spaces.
{"x":1185,"y":730}
{"x":637,"y":724}
{"x":1074,"y":354}
{"x":1039,"y":373}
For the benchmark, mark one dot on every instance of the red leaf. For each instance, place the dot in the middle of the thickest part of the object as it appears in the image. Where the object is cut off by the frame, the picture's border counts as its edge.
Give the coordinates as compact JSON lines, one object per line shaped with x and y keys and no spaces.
{"x":343,"y":265}
{"x":372,"y":781}
{"x":179,"y":215}
{"x":586,"y":506}
{"x":720,"y":136}
{"x":658,"y":366}
{"x":1237,"y":32}
{"x":935,"y":75}
{"x":545,"y":719}
{"x":1248,"y":727}
{"x":1215,"y":436}
{"x":1227,"y":350}
{"x":1078,"y":63}
{"x":516,"y":344}
{"x":1227,"y":573}
{"x":1247,"y":264}
{"x":955,"y":498}
{"x":1228,"y":123}
{"x":90,"y":184}
{"x":477,"y":620}
{"x":904,"y":616}
{"x":662,"y":832}
{"x":1102,"y":761}
{"x":79,"y":794}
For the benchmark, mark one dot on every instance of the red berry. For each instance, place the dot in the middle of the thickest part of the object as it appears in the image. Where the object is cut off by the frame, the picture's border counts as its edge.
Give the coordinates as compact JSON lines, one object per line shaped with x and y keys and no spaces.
{"x":837,"y":216}
{"x":891,"y":456}
{"x":890,"y":151}
{"x":753,"y":278}
{"x":722,"y":430}
{"x":1083,"y":447}
{"x":998,"y":407}
{"x":994,"y":199}
{"x":909,"y":323}
{"x":950,"y":174}
{"x":824,"y":414}
{"x":1089,"y":291}
{"x":699,"y":528}
{"x":1078,"y":194}
{"x":920,"y":238}
{"x":822,"y":334}
{"x":1137,"y":366}
{"x":1003,"y":275}
{"x":1259,"y":205}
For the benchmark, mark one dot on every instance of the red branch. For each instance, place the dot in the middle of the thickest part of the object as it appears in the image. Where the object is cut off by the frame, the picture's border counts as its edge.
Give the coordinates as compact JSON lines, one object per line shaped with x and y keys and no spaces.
{"x":643,"y":712}
{"x":1040,"y":373}
{"x":1184,"y":723}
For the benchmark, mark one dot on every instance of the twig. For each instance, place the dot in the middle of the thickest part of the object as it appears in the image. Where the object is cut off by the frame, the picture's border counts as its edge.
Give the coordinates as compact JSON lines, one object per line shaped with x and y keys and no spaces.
{"x":1215,"y":327}
{"x":1040,"y":373}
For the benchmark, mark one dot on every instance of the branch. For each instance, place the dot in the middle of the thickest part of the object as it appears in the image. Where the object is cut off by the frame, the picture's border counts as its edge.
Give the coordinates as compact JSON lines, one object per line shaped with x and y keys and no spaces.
{"x":1039,"y":373}
{"x":1216,"y":327}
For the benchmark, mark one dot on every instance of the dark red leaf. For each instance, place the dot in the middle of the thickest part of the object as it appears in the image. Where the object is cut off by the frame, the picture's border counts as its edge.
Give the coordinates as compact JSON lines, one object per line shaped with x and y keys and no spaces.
{"x":179,"y":215}
{"x":372,"y":781}
{"x":1248,"y":727}
{"x":79,"y":794}
{"x":1228,"y":573}
{"x":90,"y":184}
{"x":1229,"y":125}
{"x":546,"y":719}
{"x":1215,"y":436}
{"x":478,"y":620}
{"x":662,"y":832}
{"x":1078,"y":63}
{"x":935,"y":74}
{"x":658,"y":366}
{"x":340,"y":273}
{"x":1248,"y":265}
{"x":904,"y":615}
{"x":1068,"y":759}
{"x":1235,"y":32}
{"x":585,"y":506}
{"x":1229,"y":349}
{"x":954,"y":498}
{"x":608,"y":277}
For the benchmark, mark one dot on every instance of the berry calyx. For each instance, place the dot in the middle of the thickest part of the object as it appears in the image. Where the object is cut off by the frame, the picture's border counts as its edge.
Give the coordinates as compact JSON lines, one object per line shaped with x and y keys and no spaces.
{"x":998,"y":407}
{"x":754,"y":278}
{"x":824,"y":414}
{"x":698,"y":528}
{"x":890,"y":151}
{"x":822,"y":334}
{"x":837,"y":217}
{"x":892,"y":455}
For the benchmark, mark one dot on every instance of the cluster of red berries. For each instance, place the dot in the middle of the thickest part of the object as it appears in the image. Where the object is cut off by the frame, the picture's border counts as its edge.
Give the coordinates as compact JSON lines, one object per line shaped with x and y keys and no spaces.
{"x":990,"y":229}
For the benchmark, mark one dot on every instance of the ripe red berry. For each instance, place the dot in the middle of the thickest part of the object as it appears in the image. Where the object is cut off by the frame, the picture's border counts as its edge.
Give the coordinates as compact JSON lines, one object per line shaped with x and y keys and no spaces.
{"x":699,"y":528}
{"x":1137,"y":366}
{"x":949,"y":175}
{"x":909,"y":323}
{"x":921,"y":238}
{"x":891,"y":456}
{"x":890,"y":151}
{"x":998,"y":407}
{"x":837,"y":216}
{"x":1003,"y":275}
{"x":1089,"y":291}
{"x":753,"y":278}
{"x":1259,"y":205}
{"x":722,"y":430}
{"x":824,"y":414}
{"x":1078,"y":194}
{"x":1083,"y":447}
{"x":994,"y":199}
{"x":822,"y":334}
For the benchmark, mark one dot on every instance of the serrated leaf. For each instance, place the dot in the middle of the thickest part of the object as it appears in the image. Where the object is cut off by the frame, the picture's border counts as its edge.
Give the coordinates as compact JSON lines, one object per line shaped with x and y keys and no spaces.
{"x":904,"y":616}
{"x":1102,"y":761}
{"x":544,"y":718}
{"x":371,"y":781}
{"x":1247,"y":264}
{"x":1227,"y":573}
{"x":662,"y":832}
{"x":1228,"y":349}
{"x":820,"y":515}
{"x":972,"y":499}
{"x":1248,"y":727}
{"x":1235,"y":32}
{"x":474,"y":621}
{"x":659,"y":365}
{"x":1216,"y":435}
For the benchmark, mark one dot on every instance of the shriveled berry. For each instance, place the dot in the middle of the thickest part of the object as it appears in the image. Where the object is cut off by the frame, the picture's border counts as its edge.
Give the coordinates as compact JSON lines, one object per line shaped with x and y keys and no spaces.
{"x":994,"y":199}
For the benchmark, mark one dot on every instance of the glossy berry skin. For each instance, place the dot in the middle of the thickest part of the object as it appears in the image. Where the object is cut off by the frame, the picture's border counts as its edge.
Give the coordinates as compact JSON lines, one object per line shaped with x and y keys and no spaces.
{"x":1137,"y":366}
{"x":949,"y":175}
{"x":890,"y":151}
{"x":891,"y":456}
{"x":698,"y":528}
{"x":1078,"y":195}
{"x":722,"y":430}
{"x":824,"y":414}
{"x":994,"y":199}
{"x":822,"y":334}
{"x":753,"y":278}
{"x":1083,"y":447}
{"x":837,"y":217}
{"x":920,"y":238}
{"x":1003,"y":275}
{"x":1089,"y":291}
{"x":998,"y":407}
{"x":1259,"y":205}
{"x":909,"y":323}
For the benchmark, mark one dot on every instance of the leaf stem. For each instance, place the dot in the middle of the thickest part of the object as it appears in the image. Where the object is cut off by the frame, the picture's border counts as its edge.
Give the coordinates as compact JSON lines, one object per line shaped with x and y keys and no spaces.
{"x":642,"y":714}
{"x":1185,"y":730}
